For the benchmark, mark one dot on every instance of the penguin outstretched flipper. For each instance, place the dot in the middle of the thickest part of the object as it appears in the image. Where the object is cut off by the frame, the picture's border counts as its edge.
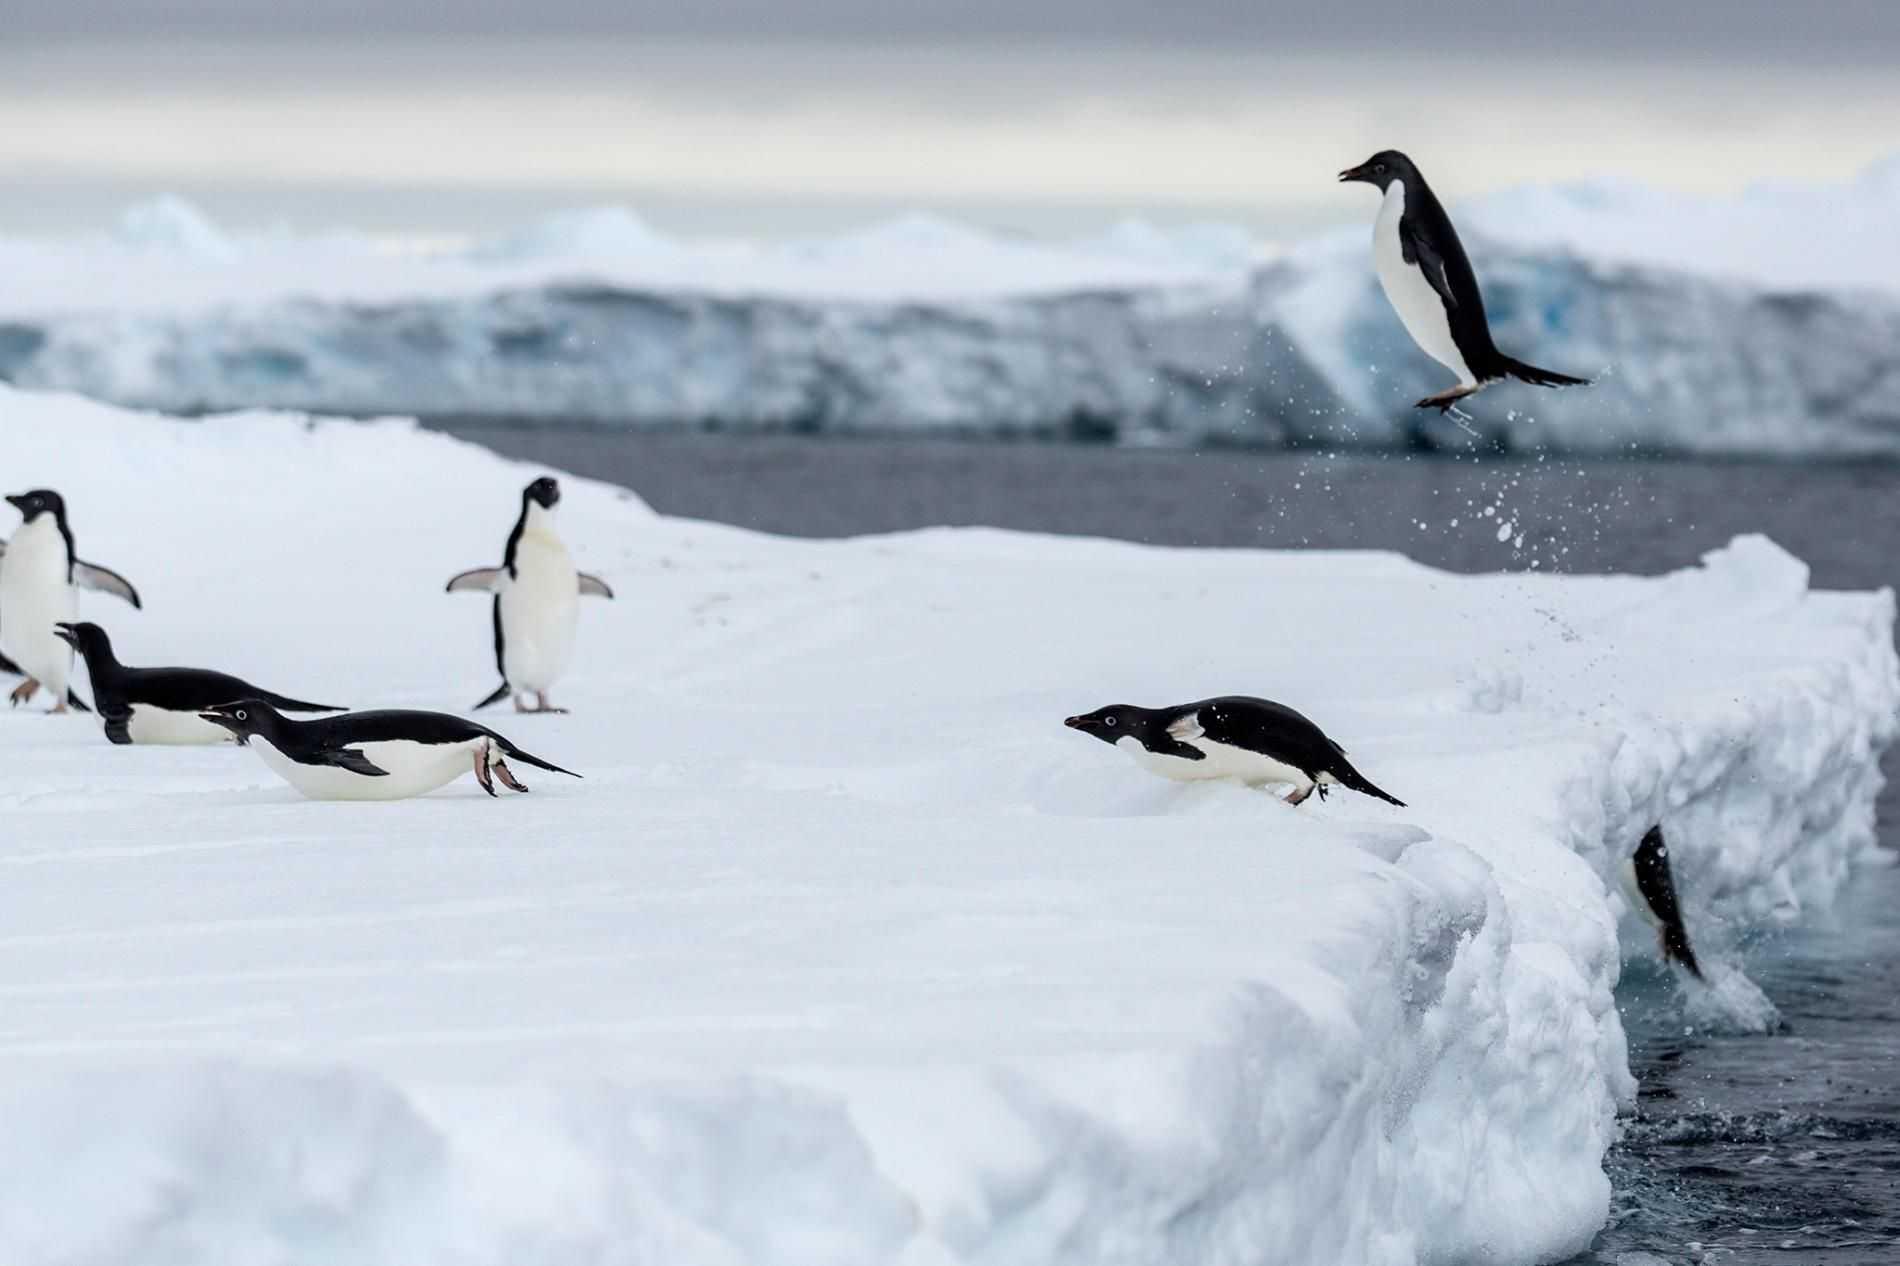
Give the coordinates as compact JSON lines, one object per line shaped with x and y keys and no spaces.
{"x":501,"y":692}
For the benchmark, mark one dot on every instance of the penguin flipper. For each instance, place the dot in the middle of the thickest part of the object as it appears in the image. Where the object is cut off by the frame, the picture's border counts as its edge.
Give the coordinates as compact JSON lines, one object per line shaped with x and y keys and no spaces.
{"x":476,"y":580}
{"x":595,"y":587}
{"x":74,"y":702}
{"x":105,"y":580}
{"x":352,"y":759}
{"x":500,"y":693}
{"x":117,"y":724}
{"x":8,"y":666}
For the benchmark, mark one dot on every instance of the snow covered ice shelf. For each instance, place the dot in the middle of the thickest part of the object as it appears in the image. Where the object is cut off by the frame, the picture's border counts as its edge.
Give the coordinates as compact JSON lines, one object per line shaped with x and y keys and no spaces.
{"x":845,"y":951}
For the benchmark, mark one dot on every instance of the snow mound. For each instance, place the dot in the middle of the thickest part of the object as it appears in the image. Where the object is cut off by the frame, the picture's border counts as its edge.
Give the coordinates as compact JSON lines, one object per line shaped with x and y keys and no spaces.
{"x":845,"y":950}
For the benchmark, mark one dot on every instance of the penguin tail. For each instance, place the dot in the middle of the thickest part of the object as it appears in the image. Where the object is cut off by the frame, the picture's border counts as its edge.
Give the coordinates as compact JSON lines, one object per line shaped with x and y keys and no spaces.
{"x":77,"y":704}
{"x":501,"y":692}
{"x":515,"y":753}
{"x":284,"y":703}
{"x":1354,"y":780}
{"x":1511,"y":367}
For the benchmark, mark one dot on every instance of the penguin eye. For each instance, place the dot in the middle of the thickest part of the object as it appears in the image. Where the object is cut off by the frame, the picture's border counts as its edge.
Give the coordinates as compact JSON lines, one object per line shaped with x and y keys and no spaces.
{"x":240,"y":714}
{"x":1378,"y":167}
{"x":1109,"y":722}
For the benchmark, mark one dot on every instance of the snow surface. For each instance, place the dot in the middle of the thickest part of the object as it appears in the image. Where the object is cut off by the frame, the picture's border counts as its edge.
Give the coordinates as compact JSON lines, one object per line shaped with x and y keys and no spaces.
{"x":846,"y":950}
{"x":1766,"y":323}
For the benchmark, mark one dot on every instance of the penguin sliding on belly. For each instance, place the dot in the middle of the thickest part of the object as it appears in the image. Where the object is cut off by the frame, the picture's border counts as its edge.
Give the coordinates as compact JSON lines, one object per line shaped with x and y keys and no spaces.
{"x":388,"y":755}
{"x":1426,"y":277}
{"x":162,"y":705}
{"x":40,"y":577}
{"x":537,"y":595}
{"x":1237,"y":737}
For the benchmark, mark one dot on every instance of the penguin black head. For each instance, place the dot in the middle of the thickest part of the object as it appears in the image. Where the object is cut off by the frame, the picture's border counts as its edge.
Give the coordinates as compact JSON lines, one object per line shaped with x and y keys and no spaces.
{"x":87,"y":638}
{"x":32,"y":505}
{"x":243,"y":718}
{"x":1113,"y":723}
{"x":544,"y":492}
{"x":1381,"y":170}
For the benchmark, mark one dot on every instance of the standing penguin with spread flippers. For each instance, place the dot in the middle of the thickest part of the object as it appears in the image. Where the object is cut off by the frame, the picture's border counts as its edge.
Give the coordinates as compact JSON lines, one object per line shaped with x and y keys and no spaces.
{"x":1424,"y":272}
{"x":1235,"y":737}
{"x":389,"y":755}
{"x":537,"y":596}
{"x":162,"y":705}
{"x":40,"y":577}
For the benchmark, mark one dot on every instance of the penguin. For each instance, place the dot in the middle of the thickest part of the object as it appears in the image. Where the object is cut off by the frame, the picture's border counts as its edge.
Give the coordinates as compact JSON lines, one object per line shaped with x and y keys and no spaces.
{"x":537,"y":593}
{"x":1426,"y":277}
{"x":161,"y":705}
{"x":39,"y":578}
{"x":1246,"y":739}
{"x":1653,"y":892}
{"x":389,"y":755}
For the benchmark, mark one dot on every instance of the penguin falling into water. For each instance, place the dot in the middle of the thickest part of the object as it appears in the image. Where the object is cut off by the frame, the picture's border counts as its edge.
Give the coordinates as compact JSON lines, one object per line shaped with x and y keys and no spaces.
{"x":1652,"y":891}
{"x":39,"y":581}
{"x":374,"y":755}
{"x":1245,"y":739}
{"x":1426,"y":277}
{"x":162,"y":705}
{"x":537,"y":595}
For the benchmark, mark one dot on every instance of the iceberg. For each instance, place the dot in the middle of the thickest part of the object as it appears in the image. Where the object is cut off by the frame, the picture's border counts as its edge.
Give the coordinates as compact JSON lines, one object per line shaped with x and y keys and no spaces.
{"x":846,"y":950}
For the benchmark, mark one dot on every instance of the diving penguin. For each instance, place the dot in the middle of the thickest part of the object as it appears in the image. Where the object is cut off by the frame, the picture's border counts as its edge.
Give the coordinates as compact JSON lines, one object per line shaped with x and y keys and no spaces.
{"x":1246,"y":739}
{"x":537,"y":594}
{"x":1424,"y":273}
{"x":40,"y":576}
{"x":1647,"y":878}
{"x":162,"y":705}
{"x":388,"y":755}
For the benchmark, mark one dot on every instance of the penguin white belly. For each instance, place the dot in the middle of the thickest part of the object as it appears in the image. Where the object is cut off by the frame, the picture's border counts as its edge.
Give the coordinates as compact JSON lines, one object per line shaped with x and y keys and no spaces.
{"x":35,"y":594}
{"x":1420,"y":309}
{"x":413,"y":769}
{"x":1219,"y":760}
{"x":538,"y":610}
{"x":162,"y":726}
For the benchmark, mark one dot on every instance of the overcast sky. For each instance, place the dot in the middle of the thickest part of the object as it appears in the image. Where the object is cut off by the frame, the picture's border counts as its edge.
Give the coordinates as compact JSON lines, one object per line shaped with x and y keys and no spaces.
{"x":781,"y":116}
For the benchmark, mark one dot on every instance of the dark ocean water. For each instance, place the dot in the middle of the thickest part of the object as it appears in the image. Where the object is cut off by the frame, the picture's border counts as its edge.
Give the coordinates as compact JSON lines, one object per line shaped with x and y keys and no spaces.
{"x":1745,"y":1151}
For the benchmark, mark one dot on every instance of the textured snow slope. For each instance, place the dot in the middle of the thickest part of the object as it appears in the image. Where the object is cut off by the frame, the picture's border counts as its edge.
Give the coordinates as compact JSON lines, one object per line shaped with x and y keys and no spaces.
{"x":845,"y":950}
{"x":1761,"y":324}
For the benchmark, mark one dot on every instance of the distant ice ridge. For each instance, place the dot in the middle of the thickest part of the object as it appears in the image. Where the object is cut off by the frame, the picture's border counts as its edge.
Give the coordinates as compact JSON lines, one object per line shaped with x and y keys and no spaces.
{"x":1765,"y":323}
{"x":846,"y":951}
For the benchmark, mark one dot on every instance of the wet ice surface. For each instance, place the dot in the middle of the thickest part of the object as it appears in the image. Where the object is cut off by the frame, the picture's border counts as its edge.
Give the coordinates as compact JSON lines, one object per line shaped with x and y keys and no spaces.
{"x":1745,"y":1151}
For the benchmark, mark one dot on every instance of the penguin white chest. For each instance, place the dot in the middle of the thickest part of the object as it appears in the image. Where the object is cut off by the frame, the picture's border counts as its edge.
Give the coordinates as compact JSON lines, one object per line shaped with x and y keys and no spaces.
{"x":35,"y":594}
{"x":412,"y":769}
{"x":1420,"y":309}
{"x":538,"y":609}
{"x":164,"y":727}
{"x":1218,"y":760}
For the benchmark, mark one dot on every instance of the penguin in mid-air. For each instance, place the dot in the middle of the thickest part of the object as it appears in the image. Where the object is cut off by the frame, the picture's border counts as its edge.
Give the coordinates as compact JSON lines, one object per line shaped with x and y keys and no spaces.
{"x":1424,"y":272}
{"x":1653,"y":893}
{"x":537,"y":595}
{"x":39,"y":581}
{"x":161,"y":705}
{"x":373,"y":755}
{"x":1248,"y":740}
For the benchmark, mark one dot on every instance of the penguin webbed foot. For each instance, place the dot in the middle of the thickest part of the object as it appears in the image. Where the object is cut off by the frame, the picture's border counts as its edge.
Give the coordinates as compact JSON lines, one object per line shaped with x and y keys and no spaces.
{"x":481,"y":771}
{"x":1321,"y":788}
{"x":507,"y":777}
{"x":1301,"y":796}
{"x":23,"y":692}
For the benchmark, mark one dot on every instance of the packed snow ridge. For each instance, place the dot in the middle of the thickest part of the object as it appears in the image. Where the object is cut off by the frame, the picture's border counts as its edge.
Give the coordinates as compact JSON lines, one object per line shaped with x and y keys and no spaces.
{"x":845,"y":950}
{"x":1762,"y":323}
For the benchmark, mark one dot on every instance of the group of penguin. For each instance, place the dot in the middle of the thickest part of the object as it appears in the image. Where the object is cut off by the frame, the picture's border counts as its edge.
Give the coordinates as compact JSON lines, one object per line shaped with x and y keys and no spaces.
{"x":387,"y":754}
{"x":393,"y":754}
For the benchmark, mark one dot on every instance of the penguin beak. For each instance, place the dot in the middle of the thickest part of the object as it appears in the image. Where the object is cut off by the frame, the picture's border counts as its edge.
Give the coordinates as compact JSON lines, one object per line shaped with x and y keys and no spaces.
{"x":64,"y":632}
{"x":1076,"y":723}
{"x":224,"y":722}
{"x":17,"y":501}
{"x":1351,"y":173}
